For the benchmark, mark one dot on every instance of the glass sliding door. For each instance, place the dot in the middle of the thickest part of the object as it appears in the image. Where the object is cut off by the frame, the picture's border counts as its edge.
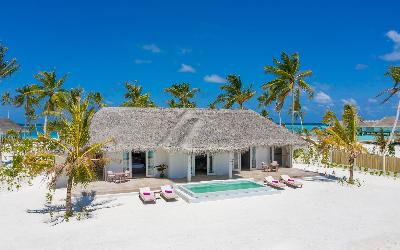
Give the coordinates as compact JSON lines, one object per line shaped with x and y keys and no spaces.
{"x":150,"y":163}
{"x":210,"y":165}
{"x":253,"y":158}
{"x":236,"y":161}
{"x":125,"y":161}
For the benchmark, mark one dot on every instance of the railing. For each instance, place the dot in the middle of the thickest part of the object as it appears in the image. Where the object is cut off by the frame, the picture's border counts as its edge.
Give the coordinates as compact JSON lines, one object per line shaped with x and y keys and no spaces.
{"x":370,"y":161}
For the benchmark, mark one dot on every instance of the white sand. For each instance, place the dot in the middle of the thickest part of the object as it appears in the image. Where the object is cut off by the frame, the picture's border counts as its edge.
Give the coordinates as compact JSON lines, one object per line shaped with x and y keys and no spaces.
{"x":322,"y":215}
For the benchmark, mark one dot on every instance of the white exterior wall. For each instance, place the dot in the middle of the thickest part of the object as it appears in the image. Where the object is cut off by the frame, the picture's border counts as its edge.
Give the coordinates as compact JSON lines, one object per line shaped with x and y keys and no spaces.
{"x":160,"y":157}
{"x":221,"y":163}
{"x":177,"y":165}
{"x":262,"y":155}
{"x":116,"y":163}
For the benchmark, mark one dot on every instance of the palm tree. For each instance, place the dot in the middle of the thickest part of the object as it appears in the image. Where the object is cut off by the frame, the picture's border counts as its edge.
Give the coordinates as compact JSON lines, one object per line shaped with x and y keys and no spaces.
{"x":135,"y":98}
{"x":97,"y":99}
{"x":183,"y":94}
{"x":288,"y":80}
{"x":51,"y":91}
{"x":394,"y":73}
{"x":6,"y":99}
{"x":298,"y":113}
{"x":235,"y":93}
{"x":265,"y":99}
{"x":342,"y":135}
{"x":25,"y":97}
{"x":6,"y":67}
{"x":81,"y":157}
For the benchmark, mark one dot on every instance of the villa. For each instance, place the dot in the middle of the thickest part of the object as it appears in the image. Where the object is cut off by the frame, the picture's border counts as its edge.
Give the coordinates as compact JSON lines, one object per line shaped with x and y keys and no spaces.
{"x":190,"y":141}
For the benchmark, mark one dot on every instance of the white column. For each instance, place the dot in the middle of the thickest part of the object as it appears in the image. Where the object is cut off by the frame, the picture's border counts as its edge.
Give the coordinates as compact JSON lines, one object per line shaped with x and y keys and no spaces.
{"x":251,"y":158}
{"x":189,"y":168}
{"x":130,"y":164}
{"x":230,"y":164}
{"x":208,"y":162}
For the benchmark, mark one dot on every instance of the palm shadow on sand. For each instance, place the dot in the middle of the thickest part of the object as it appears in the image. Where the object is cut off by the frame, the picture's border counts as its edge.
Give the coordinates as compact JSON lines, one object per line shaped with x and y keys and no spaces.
{"x":83,"y":207}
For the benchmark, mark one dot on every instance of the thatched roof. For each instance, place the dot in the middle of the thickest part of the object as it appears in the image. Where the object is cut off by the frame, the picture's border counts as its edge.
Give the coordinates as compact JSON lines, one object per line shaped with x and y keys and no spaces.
{"x":7,"y":124}
{"x":385,"y":122}
{"x":189,"y":130}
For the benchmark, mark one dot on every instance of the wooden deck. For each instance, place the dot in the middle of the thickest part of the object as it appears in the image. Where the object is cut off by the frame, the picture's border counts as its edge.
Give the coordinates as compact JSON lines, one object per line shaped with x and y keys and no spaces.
{"x":133,"y":185}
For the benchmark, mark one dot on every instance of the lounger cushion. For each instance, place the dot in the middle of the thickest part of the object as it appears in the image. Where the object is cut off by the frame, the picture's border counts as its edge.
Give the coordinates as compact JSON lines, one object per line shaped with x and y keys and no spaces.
{"x":146,"y":193}
{"x":168,"y":191}
{"x":290,"y":179}
{"x":275,"y":181}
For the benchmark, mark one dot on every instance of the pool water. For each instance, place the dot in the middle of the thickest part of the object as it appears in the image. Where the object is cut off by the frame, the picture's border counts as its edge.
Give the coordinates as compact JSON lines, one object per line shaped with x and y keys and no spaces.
{"x":211,"y":187}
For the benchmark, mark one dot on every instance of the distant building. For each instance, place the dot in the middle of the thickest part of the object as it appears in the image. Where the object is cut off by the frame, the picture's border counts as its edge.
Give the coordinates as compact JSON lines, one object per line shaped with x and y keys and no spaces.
{"x":370,"y":127}
{"x":7,"y":124}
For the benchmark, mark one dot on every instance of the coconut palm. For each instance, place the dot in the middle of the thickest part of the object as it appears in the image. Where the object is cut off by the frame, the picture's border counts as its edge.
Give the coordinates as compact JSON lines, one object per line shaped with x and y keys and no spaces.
{"x":34,"y":158}
{"x":6,"y":67}
{"x":135,"y":98}
{"x":97,"y":99}
{"x":73,"y":127}
{"x":6,"y":99}
{"x":394,"y":73}
{"x":288,"y":80}
{"x":51,"y":91}
{"x":265,"y":99}
{"x":182,"y":93}
{"x":28,"y":100}
{"x":342,"y":135}
{"x":235,"y":93}
{"x":298,"y":113}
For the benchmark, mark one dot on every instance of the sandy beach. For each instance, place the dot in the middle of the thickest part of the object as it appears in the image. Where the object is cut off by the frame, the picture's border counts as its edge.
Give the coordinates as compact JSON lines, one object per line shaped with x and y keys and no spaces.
{"x":323,"y":214}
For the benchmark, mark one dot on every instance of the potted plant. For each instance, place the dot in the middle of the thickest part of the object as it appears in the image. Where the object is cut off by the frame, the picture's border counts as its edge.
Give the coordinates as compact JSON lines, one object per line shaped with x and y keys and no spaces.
{"x":161,"y":168}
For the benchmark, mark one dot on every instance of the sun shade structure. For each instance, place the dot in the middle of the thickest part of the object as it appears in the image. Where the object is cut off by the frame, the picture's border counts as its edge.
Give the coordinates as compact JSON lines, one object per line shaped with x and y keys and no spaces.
{"x":187,"y":130}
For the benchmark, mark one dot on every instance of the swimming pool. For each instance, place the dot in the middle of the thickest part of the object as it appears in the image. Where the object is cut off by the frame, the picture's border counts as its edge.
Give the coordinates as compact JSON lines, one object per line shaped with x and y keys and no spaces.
{"x":221,"y":189}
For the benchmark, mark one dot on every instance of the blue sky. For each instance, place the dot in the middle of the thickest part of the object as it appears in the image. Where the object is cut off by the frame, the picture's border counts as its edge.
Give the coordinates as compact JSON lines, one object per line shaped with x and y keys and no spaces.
{"x":347,"y":44}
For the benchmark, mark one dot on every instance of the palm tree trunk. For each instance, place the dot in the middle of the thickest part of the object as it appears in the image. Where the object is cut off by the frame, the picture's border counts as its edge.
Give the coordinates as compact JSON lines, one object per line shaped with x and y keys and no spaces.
{"x":301,"y":123}
{"x":351,"y":170}
{"x":68,"y":199}
{"x":293,"y":110}
{"x":45,"y":125}
{"x":280,"y":118}
{"x":391,"y":136}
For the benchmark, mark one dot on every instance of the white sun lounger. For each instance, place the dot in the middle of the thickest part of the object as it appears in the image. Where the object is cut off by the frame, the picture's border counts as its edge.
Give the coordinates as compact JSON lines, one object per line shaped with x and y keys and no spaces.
{"x":168,"y":193}
{"x":146,"y":195}
{"x":274,"y":183}
{"x":291,"y":182}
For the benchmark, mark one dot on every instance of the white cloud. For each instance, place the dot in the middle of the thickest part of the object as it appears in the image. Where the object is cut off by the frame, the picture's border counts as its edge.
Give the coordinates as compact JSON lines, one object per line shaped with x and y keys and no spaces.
{"x":349,"y":101}
{"x":151,"y":47}
{"x":323,"y":99}
{"x":186,"y":69}
{"x":140,"y":61}
{"x":361,"y":66}
{"x":214,"y":78}
{"x":372,"y":100}
{"x":395,"y":54}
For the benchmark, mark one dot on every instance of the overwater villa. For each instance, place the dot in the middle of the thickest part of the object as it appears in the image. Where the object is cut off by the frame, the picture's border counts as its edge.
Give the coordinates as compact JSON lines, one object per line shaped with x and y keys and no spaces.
{"x":372,"y":127}
{"x":190,"y":142}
